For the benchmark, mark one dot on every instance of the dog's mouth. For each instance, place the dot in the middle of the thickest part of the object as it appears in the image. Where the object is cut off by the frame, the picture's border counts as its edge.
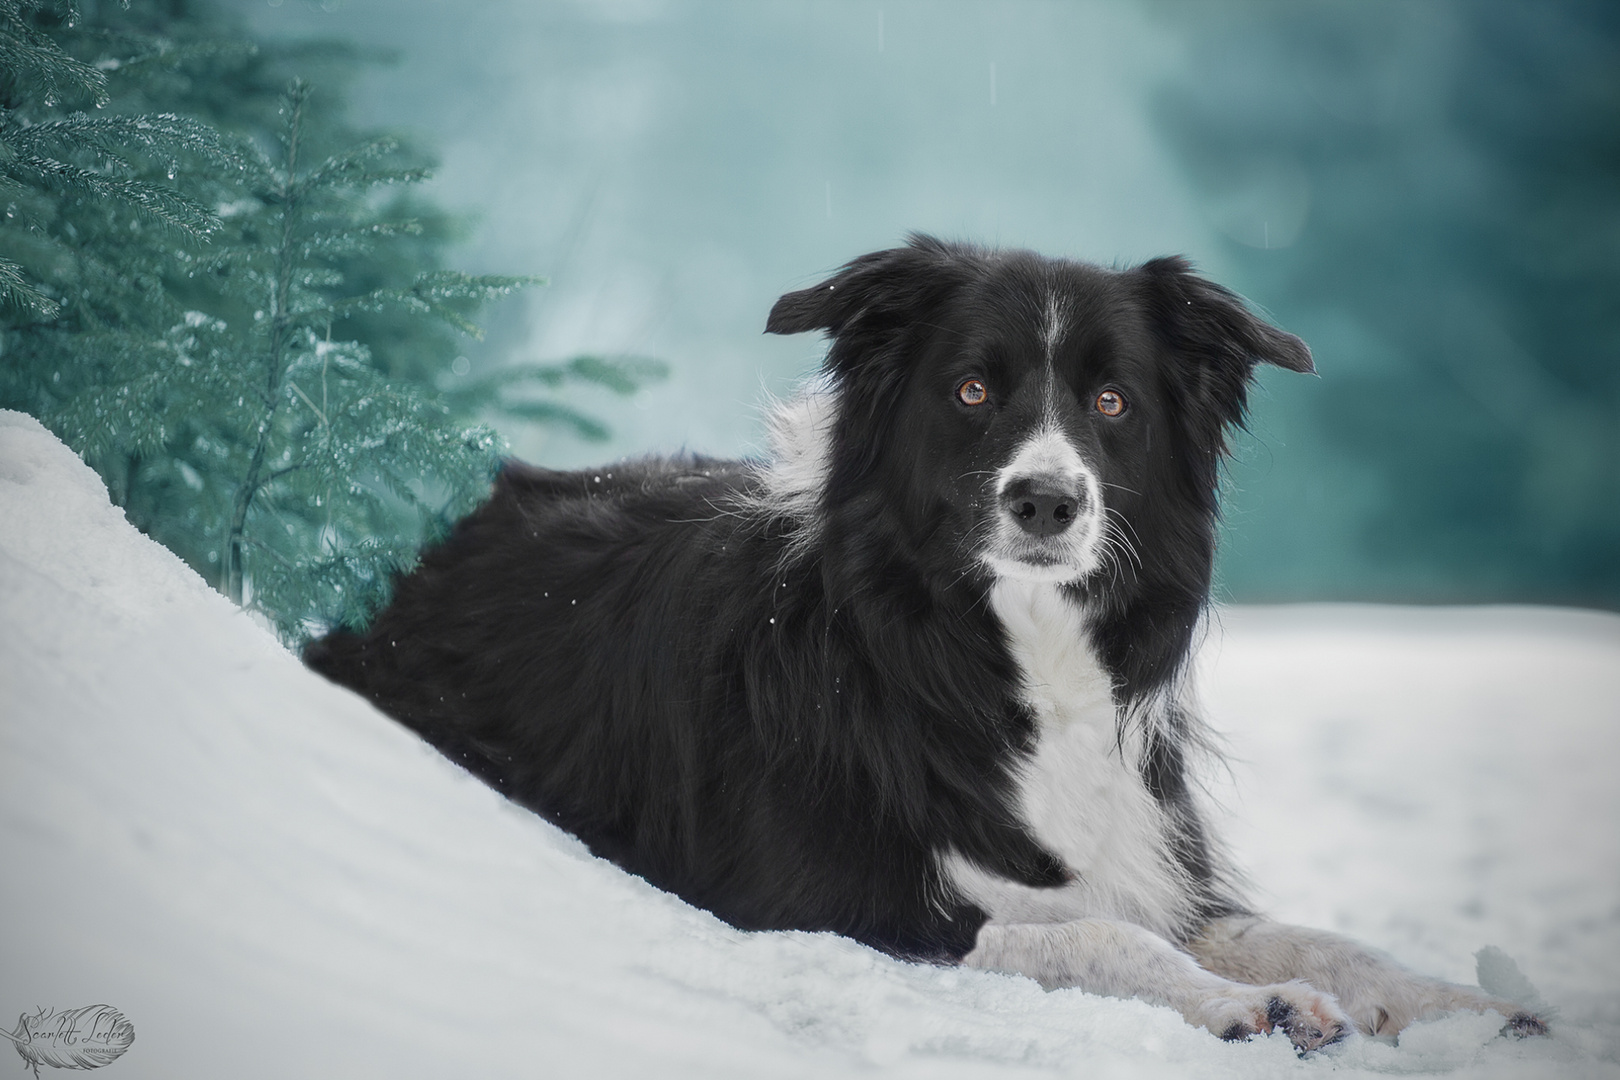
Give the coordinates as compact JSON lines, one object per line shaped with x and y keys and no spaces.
{"x":1064,"y":559}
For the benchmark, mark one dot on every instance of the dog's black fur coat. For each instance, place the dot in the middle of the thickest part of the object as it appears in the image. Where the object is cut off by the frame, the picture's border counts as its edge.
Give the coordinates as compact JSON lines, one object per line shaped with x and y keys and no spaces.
{"x":786,"y":712}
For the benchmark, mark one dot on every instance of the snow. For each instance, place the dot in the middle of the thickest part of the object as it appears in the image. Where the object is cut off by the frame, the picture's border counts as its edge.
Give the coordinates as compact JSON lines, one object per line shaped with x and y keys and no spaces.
{"x":270,"y":879}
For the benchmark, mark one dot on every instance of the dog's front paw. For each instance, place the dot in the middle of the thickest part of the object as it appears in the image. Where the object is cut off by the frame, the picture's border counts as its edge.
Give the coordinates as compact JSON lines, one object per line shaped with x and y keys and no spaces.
{"x":1384,"y":1010}
{"x":1523,"y":1024}
{"x":1310,"y":1018}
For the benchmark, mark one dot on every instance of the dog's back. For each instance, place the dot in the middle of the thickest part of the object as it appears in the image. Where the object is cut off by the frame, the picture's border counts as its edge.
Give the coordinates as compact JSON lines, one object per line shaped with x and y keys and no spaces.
{"x":513,"y":621}
{"x":624,"y":652}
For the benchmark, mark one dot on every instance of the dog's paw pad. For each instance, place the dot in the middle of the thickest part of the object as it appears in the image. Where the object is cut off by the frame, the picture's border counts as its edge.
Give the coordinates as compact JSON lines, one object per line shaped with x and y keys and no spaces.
{"x":1522,"y":1025}
{"x":1310,"y":1019}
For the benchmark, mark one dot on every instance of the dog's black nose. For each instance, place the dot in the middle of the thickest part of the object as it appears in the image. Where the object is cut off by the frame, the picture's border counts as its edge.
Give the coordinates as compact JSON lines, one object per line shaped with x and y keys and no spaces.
{"x":1040,"y":507}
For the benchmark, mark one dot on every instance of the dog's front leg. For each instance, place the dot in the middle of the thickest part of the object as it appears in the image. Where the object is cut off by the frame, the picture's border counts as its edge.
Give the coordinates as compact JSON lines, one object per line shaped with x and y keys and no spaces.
{"x":1380,"y":995}
{"x":1119,"y":959}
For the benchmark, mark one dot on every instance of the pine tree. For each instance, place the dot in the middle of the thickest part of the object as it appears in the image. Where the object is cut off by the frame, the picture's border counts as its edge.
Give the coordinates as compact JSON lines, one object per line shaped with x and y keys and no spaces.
{"x":271,"y":403}
{"x":334,"y":452}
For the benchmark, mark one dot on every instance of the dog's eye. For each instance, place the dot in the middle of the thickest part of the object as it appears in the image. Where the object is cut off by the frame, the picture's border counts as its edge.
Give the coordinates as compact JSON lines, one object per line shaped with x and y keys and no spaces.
{"x":973,"y":392}
{"x":1110,"y":403}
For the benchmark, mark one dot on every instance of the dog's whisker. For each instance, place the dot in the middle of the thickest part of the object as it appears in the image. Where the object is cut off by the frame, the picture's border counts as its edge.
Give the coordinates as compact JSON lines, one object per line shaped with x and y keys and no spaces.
{"x":1112,"y":534}
{"x":1118,"y":516}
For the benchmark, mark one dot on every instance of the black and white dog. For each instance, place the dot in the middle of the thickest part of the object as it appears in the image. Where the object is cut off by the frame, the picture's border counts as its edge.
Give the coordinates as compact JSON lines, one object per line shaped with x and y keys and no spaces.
{"x":917,"y":678}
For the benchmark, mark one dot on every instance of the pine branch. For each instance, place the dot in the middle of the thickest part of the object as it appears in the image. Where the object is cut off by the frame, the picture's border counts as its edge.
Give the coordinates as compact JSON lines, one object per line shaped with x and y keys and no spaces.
{"x":145,"y":52}
{"x":433,"y":294}
{"x":159,"y":203}
{"x":161,"y":134}
{"x":623,"y":375}
{"x":39,"y":64}
{"x":355,"y":239}
{"x":354,"y":168}
{"x":19,"y":294}
{"x":552,"y":412}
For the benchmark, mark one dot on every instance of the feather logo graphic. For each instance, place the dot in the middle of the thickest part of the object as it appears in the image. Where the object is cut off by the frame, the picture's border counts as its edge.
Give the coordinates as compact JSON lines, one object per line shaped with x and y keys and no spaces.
{"x":86,"y":1038}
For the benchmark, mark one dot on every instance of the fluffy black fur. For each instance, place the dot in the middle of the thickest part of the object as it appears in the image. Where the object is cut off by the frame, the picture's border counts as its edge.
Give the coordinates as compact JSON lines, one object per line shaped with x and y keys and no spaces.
{"x":785,"y":710}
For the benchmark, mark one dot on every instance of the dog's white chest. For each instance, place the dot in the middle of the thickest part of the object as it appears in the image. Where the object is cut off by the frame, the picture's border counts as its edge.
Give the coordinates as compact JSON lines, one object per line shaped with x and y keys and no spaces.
{"x":1081,"y":793}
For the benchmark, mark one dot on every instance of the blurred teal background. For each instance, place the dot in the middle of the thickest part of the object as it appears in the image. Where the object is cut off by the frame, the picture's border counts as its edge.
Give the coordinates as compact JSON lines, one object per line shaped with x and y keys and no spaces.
{"x":1427,"y":191}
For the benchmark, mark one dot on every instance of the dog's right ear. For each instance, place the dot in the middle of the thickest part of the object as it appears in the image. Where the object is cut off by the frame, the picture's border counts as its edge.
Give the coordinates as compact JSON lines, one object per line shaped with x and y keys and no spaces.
{"x":871,"y":309}
{"x":821,"y":308}
{"x":896,"y":280}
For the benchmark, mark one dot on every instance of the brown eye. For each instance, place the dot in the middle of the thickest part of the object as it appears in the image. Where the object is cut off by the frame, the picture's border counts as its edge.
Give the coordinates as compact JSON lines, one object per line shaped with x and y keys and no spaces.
{"x":1110,"y":403}
{"x":973,"y":392}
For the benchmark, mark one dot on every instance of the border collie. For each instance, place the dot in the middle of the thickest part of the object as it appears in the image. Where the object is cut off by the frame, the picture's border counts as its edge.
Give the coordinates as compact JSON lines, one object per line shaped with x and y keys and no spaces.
{"x":918,"y":678}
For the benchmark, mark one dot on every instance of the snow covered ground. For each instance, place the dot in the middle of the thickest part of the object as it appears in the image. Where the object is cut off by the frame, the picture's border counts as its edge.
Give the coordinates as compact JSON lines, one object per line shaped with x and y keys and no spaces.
{"x":272,"y":880}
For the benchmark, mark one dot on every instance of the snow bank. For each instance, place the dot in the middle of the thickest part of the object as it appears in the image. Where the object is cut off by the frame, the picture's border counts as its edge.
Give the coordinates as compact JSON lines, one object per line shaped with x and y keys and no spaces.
{"x":270,"y":879}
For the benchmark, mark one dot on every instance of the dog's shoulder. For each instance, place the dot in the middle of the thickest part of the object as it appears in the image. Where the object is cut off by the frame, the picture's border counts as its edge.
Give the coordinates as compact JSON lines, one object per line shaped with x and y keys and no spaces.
{"x":521,"y":483}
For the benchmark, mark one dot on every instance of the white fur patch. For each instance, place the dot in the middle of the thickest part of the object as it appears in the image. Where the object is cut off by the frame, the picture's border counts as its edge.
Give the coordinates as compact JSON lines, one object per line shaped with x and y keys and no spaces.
{"x":1105,"y":956}
{"x":1054,"y":323}
{"x":795,"y":476}
{"x":1380,"y":995}
{"x":1081,"y":792}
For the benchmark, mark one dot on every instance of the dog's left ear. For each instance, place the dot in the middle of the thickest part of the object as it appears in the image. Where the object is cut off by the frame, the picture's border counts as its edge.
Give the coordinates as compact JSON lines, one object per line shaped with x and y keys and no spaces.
{"x":1208,"y":321}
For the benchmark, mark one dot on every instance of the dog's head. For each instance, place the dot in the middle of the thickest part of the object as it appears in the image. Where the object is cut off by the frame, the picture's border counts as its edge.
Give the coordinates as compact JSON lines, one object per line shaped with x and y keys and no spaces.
{"x":1034,"y":418}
